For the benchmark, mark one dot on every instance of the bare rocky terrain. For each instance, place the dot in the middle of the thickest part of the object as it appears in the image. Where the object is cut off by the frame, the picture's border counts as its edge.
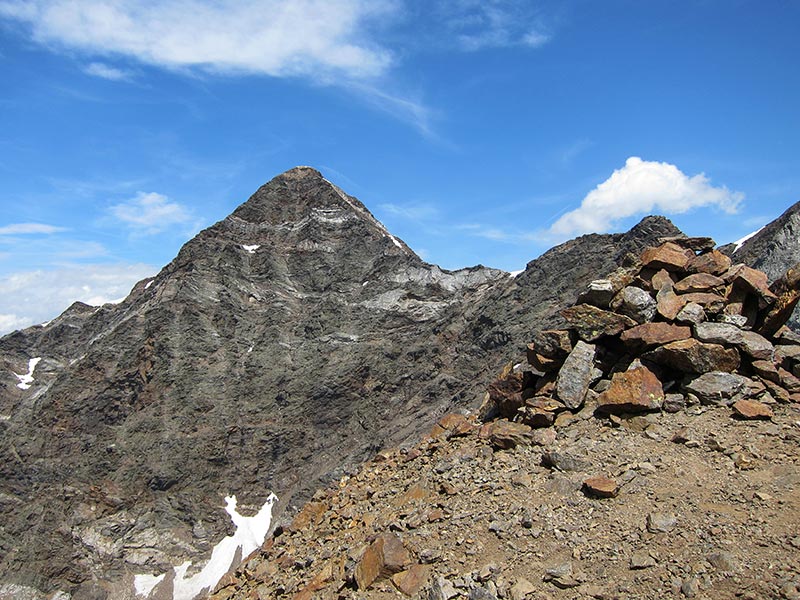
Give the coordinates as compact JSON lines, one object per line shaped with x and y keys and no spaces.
{"x":647,"y":450}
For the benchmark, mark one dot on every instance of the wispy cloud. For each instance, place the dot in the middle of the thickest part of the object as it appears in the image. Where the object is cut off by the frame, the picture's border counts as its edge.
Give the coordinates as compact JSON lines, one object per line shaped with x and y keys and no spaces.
{"x":104,"y":71}
{"x":480,"y":24}
{"x":639,"y":188}
{"x":151,"y":213}
{"x":29,"y":229}
{"x":270,"y":37}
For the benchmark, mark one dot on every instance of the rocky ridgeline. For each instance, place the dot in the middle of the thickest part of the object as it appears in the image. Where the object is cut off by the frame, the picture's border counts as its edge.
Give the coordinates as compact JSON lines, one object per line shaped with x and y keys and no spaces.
{"x":648,"y":450}
{"x":682,"y":327}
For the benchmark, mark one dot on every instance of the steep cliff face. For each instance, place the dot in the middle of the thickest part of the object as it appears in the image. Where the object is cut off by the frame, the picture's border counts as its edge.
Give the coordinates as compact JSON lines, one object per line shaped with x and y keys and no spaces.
{"x":281,"y":348}
{"x":773,"y":249}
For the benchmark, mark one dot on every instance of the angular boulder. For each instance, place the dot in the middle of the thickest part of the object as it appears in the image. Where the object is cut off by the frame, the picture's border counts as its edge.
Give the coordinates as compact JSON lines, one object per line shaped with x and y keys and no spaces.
{"x":699,"y":282}
{"x":669,"y":256}
{"x":714,"y":262}
{"x":598,"y":293}
{"x":635,"y":390}
{"x":668,"y":303}
{"x":648,"y":335}
{"x":748,"y":342}
{"x":693,"y":356}
{"x":575,"y":375}
{"x":635,"y":303}
{"x":592,"y":323}
{"x":752,"y":409}
{"x":718,"y":387}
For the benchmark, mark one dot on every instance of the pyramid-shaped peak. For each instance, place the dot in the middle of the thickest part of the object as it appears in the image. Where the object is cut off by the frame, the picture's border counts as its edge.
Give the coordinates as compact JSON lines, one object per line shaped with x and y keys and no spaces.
{"x":301,"y":204}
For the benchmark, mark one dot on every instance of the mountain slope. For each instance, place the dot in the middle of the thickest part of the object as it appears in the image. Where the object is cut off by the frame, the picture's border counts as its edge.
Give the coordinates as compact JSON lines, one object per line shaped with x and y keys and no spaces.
{"x":773,"y":249}
{"x":281,"y":348}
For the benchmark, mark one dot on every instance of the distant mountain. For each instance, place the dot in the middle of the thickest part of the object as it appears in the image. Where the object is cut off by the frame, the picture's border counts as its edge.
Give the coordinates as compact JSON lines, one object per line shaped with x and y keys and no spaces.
{"x":773,"y":249}
{"x":281,"y":348}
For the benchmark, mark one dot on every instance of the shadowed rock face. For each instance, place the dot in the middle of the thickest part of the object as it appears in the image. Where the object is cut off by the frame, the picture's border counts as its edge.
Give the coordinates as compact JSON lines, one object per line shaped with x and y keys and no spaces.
{"x":281,"y":348}
{"x":774,"y":249}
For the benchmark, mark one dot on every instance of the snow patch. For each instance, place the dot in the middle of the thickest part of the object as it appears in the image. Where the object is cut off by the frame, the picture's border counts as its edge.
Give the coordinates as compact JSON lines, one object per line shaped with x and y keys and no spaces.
{"x":740,"y":242}
{"x":148,"y":284}
{"x":249,"y":535}
{"x":26,"y":380}
{"x":516,"y":273}
{"x":251,"y":249}
{"x":145,"y":583}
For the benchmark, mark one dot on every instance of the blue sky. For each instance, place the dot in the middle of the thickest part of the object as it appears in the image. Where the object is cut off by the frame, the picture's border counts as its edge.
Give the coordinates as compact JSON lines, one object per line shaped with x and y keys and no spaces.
{"x":479,"y":132}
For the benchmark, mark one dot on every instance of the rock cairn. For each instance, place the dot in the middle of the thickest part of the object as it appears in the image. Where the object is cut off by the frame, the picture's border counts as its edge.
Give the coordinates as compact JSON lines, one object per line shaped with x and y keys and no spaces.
{"x":681,"y":326}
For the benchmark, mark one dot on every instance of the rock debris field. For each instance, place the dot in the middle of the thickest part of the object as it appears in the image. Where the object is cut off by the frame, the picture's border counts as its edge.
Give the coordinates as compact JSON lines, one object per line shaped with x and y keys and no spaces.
{"x":647,"y":450}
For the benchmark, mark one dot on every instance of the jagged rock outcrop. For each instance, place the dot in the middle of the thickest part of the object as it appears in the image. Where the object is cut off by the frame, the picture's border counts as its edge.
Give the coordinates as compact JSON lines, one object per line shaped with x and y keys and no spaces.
{"x":281,"y":348}
{"x":773,"y":249}
{"x":620,"y":471}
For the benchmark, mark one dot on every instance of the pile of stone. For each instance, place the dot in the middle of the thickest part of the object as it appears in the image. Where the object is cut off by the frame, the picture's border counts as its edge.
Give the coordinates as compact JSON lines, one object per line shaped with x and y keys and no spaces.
{"x":681,"y":326}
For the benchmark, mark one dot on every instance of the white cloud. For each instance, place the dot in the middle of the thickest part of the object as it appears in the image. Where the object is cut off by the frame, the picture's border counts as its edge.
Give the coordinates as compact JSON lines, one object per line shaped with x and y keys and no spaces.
{"x":29,"y":228}
{"x":642,"y":187}
{"x":29,"y":297}
{"x":270,"y":37}
{"x":150,"y":213}
{"x":105,"y":71}
{"x":480,"y":24}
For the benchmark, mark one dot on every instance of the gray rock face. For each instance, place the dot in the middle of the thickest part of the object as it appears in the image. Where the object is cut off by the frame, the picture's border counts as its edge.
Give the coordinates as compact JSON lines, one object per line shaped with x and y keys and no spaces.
{"x":282,"y":347}
{"x":774,"y":249}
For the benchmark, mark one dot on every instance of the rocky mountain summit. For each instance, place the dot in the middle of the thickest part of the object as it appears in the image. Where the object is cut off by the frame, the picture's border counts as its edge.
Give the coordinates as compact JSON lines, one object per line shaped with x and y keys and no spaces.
{"x":282,"y":347}
{"x":647,"y":450}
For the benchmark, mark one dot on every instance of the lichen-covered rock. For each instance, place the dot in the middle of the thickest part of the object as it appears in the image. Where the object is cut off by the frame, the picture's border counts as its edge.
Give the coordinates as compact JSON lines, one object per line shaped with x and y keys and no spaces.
{"x":576,"y":375}
{"x":635,"y":303}
{"x":635,"y":390}
{"x":648,"y":335}
{"x":693,"y":356}
{"x":592,"y":323}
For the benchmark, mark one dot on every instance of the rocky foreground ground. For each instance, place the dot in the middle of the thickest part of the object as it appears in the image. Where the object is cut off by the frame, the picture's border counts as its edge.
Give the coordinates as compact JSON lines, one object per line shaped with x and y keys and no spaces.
{"x":647,"y":450}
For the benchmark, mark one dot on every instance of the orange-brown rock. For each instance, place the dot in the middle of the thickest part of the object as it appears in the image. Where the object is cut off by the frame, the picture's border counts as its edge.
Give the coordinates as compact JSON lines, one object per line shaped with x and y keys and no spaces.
{"x":635,"y":390}
{"x":506,"y":393}
{"x":454,"y":424}
{"x":692,"y":356}
{"x":660,"y":279}
{"x":330,"y":572}
{"x":310,"y":515}
{"x":669,"y":256}
{"x":668,"y":303}
{"x":711,"y":303}
{"x":714,"y":262}
{"x":601,"y":487}
{"x":506,"y":434}
{"x":786,"y":291}
{"x":698,"y":282}
{"x":647,"y":335}
{"x":752,"y":409}
{"x":592,"y":323}
{"x":382,"y":558}
{"x":552,"y":343}
{"x":541,"y":362}
{"x":410,"y":581}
